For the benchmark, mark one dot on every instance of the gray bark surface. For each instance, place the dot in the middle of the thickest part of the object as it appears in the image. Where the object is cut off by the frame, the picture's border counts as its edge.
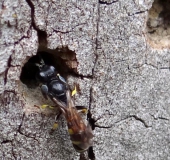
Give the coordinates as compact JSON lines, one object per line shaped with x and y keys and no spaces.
{"x":125,"y":79}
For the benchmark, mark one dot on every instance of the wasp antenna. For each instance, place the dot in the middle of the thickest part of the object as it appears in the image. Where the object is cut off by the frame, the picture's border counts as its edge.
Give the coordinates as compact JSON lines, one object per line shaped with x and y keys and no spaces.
{"x":42,"y":63}
{"x":38,"y":65}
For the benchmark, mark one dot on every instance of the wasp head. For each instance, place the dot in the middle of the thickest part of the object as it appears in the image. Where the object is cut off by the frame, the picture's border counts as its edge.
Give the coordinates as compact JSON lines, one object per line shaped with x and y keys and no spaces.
{"x":46,"y":73}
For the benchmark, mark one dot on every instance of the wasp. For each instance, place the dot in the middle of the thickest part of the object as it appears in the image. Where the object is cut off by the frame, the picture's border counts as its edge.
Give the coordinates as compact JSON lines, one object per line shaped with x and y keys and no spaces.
{"x":55,"y":87}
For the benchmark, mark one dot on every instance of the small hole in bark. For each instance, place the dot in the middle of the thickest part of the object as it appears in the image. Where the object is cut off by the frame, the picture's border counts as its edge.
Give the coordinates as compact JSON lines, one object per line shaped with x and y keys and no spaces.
{"x":91,"y":120}
{"x":158,"y":24}
{"x":63,"y":59}
{"x":91,"y":154}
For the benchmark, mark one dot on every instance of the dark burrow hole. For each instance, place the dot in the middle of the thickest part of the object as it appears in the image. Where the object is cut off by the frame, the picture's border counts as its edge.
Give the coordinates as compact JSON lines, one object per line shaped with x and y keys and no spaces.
{"x":63,"y":59}
{"x":158,"y":23}
{"x":159,"y":15}
{"x":91,"y":154}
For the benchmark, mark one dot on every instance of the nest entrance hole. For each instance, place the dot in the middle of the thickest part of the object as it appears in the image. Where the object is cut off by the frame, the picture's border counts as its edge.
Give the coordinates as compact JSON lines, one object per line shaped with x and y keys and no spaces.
{"x":158,"y":24}
{"x":63,"y":59}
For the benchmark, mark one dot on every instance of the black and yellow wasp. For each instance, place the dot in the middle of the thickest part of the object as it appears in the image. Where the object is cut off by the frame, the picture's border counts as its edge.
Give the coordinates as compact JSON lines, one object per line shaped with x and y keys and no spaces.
{"x":55,"y":87}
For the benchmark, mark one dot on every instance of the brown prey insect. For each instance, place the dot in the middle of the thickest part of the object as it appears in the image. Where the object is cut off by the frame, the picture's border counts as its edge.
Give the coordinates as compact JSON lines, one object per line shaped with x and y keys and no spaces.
{"x":80,"y":133}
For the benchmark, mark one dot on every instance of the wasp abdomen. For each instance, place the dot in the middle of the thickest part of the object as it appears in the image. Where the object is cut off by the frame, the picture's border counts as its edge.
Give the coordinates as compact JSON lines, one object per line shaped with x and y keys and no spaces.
{"x":82,"y":140}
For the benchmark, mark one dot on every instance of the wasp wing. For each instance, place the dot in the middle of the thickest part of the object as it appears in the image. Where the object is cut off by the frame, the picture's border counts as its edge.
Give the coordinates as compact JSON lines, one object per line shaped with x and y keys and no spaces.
{"x":80,"y":133}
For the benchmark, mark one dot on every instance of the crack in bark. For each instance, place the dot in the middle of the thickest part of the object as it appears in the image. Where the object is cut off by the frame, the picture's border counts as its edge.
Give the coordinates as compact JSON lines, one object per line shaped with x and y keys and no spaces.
{"x":10,"y":91}
{"x":58,"y":31}
{"x":97,"y":26}
{"x":19,"y":127}
{"x":96,"y":41}
{"x":140,"y":119}
{"x":136,"y":118}
{"x":20,"y":132}
{"x":139,"y":12}
{"x":92,"y":122}
{"x":20,"y":39}
{"x":98,"y":126}
{"x":91,"y":154}
{"x":91,"y":98}
{"x":147,"y":64}
{"x":162,"y":118}
{"x":166,"y":68}
{"x":12,"y":145}
{"x":31,"y":5}
{"x":23,"y":37}
{"x":142,"y":65}
{"x":13,"y":153}
{"x":6,"y":71}
{"x":42,"y":35}
{"x":107,"y":3}
{"x":151,"y":65}
{"x":6,"y":141}
{"x":68,"y":31}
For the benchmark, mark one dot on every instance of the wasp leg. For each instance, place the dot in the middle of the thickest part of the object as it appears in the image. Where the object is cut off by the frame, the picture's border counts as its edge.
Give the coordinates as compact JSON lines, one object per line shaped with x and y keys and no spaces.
{"x":55,"y":125}
{"x":47,"y":106}
{"x":82,"y":109}
{"x":44,"y":91}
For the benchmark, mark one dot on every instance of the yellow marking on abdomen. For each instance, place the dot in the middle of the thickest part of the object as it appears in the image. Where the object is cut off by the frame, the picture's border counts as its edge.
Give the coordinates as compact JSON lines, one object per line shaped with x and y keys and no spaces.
{"x":84,"y":111}
{"x":70,"y":131}
{"x":76,"y":142}
{"x":55,"y":126}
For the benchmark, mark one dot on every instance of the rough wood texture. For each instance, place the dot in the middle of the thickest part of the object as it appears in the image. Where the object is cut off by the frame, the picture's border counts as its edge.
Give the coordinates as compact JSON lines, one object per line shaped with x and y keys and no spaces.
{"x":125,"y":78}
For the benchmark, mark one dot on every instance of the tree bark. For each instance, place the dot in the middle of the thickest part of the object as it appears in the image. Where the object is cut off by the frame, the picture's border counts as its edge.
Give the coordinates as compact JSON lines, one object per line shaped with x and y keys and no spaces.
{"x":121,"y":68}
